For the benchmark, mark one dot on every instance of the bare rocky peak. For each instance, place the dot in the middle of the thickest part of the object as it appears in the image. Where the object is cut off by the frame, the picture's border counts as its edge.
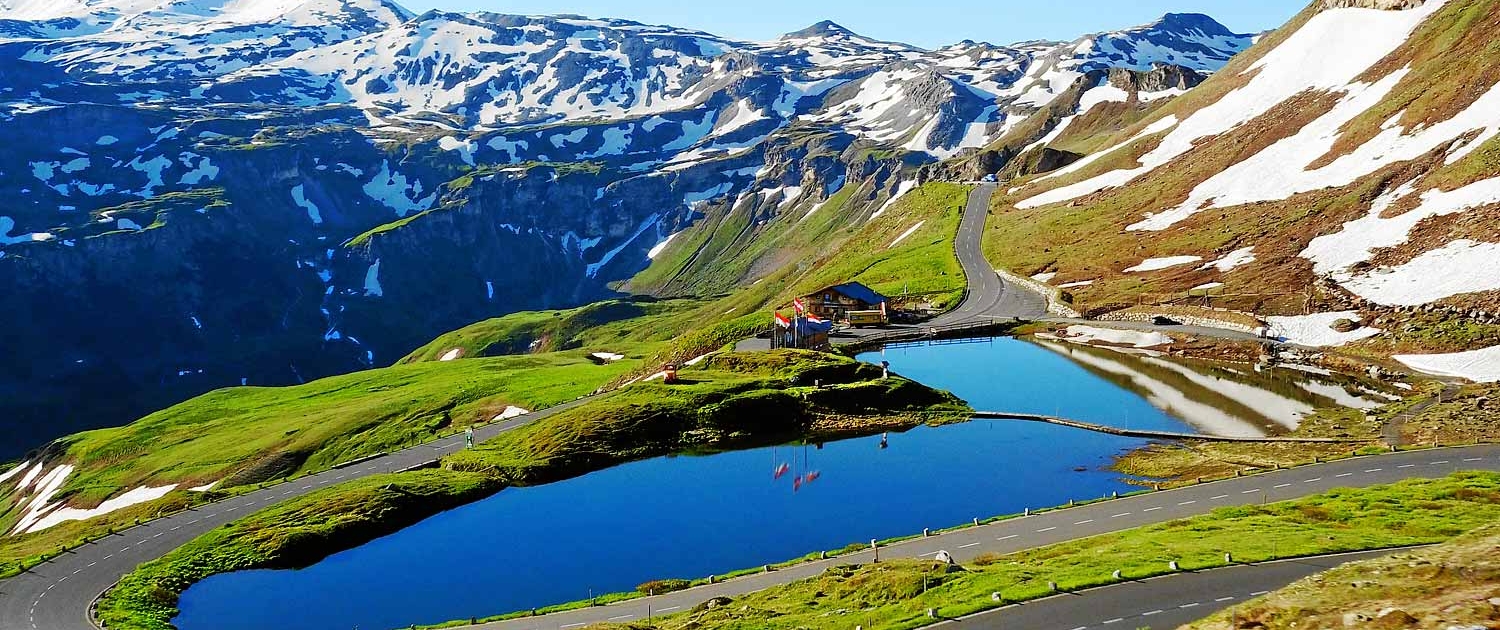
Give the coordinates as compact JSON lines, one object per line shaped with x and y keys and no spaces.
{"x":1161,"y":77}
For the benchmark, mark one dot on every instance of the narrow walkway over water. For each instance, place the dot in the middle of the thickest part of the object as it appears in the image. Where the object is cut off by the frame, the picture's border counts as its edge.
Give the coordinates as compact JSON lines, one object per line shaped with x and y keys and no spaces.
{"x":1165,"y":435}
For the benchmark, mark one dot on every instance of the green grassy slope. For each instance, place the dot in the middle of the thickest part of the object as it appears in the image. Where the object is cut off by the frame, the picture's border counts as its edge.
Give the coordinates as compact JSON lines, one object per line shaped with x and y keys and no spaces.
{"x":833,"y":243}
{"x":923,"y":265}
{"x":244,"y":435}
{"x":614,"y":326}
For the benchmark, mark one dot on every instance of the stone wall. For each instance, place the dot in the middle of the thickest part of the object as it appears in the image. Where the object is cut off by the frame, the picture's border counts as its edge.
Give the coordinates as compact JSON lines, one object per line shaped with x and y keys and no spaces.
{"x":1207,"y":320}
{"x":1055,"y":304}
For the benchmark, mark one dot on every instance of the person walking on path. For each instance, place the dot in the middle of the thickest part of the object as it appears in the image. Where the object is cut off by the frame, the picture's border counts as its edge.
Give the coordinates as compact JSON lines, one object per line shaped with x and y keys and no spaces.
{"x":469,"y":437}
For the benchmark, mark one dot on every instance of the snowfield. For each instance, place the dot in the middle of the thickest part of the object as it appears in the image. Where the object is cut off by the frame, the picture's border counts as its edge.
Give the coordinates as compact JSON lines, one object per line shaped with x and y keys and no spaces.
{"x":908,"y":232}
{"x":1316,"y":329}
{"x":1482,"y":366}
{"x":509,"y":412}
{"x":1462,"y":266}
{"x":1157,"y":264}
{"x":1362,"y":37}
{"x":1232,"y":260}
{"x":901,"y":190}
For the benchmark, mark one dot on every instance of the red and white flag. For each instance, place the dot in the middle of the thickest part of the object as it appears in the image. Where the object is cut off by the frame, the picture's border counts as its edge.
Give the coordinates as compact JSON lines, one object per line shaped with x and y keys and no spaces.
{"x":783,"y":321}
{"x":816,"y":320}
{"x":797,"y":304}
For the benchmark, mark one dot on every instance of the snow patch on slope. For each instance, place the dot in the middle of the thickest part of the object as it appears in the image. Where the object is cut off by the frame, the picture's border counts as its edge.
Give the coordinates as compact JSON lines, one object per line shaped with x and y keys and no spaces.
{"x":1362,"y":37}
{"x":1482,"y":366}
{"x":1156,"y":264}
{"x":1317,"y":329}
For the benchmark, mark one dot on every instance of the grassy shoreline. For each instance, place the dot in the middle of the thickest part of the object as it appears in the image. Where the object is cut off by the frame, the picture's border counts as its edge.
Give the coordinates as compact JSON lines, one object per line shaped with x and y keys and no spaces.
{"x":723,"y":403}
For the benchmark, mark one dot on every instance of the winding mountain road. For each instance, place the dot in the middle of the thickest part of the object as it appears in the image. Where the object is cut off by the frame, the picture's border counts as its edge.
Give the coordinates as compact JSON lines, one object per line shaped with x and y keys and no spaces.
{"x":989,"y":296}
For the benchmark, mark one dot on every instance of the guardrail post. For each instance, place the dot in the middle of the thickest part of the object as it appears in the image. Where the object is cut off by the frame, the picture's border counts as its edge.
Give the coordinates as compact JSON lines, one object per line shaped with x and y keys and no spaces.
{"x":1027,"y":512}
{"x":976,"y":521}
{"x":995,"y":597}
{"x":926,"y":532}
{"x":1052,"y":586}
{"x":1117,"y":575}
{"x":876,"y":548}
{"x":1173,"y":566}
{"x":1228,"y":558}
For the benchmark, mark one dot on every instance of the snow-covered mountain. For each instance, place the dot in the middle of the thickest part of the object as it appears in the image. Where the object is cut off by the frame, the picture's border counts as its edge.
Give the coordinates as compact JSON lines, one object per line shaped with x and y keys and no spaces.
{"x":1353,"y":153}
{"x":180,"y":40}
{"x":383,"y":176}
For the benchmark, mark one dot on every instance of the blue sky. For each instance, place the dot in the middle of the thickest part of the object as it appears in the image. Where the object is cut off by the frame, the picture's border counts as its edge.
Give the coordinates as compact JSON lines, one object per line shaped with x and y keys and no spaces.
{"x":926,"y":23}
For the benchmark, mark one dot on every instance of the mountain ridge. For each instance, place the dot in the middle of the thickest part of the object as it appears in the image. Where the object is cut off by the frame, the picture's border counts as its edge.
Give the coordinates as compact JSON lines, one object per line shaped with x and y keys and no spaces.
{"x":389,"y":177}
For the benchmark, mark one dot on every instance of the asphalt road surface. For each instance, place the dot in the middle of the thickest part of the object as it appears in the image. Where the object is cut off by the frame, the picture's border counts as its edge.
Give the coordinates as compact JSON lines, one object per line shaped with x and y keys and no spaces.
{"x":1161,"y":602}
{"x":988,"y":296}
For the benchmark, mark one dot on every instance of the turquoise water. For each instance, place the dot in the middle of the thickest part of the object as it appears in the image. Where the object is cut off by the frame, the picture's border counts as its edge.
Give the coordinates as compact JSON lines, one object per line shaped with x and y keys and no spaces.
{"x":695,"y":516}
